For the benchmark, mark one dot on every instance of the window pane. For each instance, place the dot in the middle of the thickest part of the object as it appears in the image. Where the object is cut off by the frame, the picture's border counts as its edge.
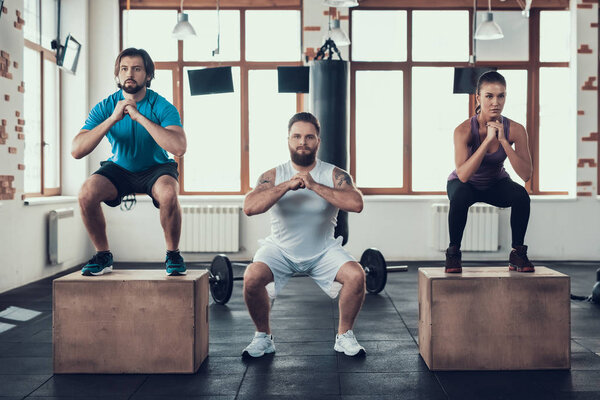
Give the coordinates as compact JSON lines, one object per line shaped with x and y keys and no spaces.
{"x":32,"y":28}
{"x":379,"y":128}
{"x":378,"y":35}
{"x":432,"y":138}
{"x":440,"y":35}
{"x":273,"y":35}
{"x":32,"y":114}
{"x":51,"y":126}
{"x":49,"y":22}
{"x":212,"y":125}
{"x":515,"y":107}
{"x":515,"y":44}
{"x":270,"y":112}
{"x":163,"y":83}
{"x":200,"y":47}
{"x":151,"y":30}
{"x":557,"y":129}
{"x":555,"y":35}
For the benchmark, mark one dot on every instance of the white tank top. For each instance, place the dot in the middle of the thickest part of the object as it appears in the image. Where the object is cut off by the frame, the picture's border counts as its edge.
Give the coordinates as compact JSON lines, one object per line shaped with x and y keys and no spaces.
{"x":302,"y":222}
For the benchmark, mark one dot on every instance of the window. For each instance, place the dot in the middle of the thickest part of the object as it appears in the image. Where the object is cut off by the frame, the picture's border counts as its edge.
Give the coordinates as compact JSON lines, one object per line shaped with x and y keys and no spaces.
{"x":404,"y":58}
{"x":232,"y":137}
{"x":41,"y":101}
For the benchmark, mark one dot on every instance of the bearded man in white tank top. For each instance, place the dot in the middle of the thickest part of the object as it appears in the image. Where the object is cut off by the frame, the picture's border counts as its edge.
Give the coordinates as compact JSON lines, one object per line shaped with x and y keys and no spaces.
{"x":304,"y":196}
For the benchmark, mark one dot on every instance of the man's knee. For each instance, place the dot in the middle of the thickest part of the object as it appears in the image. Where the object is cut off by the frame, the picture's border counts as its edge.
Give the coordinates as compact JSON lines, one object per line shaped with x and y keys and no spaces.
{"x":256,"y":276}
{"x":166,"y":195}
{"x":89,"y":196}
{"x":353,"y":275}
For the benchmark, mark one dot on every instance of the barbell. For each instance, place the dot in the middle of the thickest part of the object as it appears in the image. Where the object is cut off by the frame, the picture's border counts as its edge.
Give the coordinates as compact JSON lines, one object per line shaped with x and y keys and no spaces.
{"x":221,"y":276}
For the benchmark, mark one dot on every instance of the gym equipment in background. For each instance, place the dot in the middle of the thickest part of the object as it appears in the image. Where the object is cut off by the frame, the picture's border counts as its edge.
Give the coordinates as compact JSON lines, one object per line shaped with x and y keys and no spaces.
{"x":221,"y":276}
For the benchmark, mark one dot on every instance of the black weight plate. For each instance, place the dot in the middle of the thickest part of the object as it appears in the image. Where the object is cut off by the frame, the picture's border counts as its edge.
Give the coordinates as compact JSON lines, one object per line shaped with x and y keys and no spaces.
{"x":221,"y":288}
{"x":377,"y":274}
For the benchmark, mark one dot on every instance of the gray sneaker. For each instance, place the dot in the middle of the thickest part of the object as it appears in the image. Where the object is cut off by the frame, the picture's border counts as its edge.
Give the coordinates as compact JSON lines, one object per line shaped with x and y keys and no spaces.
{"x":261,"y":344}
{"x":346,"y":343}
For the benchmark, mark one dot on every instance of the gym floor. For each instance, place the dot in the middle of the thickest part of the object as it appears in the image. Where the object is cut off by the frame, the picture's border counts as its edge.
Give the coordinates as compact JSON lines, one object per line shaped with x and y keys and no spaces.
{"x":305,"y":365}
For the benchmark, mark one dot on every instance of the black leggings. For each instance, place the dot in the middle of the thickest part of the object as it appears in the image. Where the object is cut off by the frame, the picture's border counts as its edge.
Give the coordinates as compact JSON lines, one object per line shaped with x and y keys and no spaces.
{"x":504,"y":193}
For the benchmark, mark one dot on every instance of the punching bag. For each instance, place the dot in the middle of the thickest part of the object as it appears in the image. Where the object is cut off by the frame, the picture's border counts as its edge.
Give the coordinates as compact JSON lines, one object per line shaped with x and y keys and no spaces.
{"x":329,"y":103}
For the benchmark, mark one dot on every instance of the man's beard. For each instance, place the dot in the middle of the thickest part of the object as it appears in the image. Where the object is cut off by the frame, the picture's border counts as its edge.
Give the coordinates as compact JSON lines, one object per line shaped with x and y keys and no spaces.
{"x":304,"y":160}
{"x":131,"y":89}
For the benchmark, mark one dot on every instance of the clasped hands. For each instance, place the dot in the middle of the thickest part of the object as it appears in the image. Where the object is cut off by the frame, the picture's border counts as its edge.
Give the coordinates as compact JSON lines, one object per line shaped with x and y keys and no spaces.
{"x":301,"y":180}
{"x":495,"y":130}
{"x":123,"y":107}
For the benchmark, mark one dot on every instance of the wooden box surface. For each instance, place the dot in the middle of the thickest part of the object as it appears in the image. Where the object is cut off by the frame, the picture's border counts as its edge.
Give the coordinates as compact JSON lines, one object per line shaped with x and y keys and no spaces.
{"x":130,"y":321}
{"x":489,"y":318}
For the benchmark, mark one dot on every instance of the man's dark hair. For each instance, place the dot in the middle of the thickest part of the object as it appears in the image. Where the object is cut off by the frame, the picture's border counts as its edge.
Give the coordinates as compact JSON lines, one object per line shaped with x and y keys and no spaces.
{"x":304,"y":117}
{"x":133,"y":52}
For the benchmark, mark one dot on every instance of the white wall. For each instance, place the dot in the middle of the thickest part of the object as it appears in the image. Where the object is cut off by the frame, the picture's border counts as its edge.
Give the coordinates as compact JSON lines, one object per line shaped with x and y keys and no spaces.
{"x":23,"y":229}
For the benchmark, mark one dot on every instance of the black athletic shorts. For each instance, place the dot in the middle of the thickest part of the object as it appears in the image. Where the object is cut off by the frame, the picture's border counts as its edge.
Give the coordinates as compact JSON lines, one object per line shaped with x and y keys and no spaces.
{"x":128,"y":182}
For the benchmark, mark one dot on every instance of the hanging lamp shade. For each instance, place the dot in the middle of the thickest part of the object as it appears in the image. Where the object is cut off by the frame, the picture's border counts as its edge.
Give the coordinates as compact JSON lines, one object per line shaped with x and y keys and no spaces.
{"x":341,"y":3}
{"x":488,"y":29}
{"x":336,"y":33}
{"x":183,"y":29}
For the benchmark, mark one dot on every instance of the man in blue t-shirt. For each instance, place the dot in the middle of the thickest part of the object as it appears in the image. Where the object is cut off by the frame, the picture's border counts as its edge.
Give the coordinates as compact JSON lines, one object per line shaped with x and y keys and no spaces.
{"x":141,"y":127}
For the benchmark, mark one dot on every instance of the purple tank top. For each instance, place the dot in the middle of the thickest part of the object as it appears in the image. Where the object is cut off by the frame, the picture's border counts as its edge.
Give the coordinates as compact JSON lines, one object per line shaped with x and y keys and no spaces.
{"x":491,"y":169}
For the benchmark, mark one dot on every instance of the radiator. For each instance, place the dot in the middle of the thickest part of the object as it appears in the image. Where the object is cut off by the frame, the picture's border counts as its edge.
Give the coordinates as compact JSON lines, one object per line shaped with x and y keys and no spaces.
{"x":481,"y":232}
{"x":210,"y":228}
{"x":61,"y":229}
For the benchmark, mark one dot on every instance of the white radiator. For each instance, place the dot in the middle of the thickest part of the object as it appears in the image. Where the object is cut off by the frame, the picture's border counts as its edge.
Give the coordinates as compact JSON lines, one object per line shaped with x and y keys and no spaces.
{"x":481,"y":232}
{"x":61,"y":230}
{"x":210,"y":228}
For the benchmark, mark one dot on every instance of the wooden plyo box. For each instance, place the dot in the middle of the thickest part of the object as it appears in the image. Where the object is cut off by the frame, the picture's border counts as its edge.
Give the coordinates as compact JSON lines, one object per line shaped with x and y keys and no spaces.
{"x":489,"y":318}
{"x":130,"y":321}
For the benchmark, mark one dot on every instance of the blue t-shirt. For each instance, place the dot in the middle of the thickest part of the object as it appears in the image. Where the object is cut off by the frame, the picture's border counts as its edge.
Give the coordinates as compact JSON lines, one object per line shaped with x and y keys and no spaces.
{"x":132,"y":146}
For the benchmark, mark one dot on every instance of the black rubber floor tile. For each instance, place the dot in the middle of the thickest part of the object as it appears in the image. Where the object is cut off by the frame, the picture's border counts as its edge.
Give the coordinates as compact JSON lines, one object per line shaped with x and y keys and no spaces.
{"x":303,"y":364}
{"x":304,"y":349}
{"x":578,"y":348}
{"x":200,"y":384}
{"x":119,"y":386}
{"x":585,"y":361}
{"x":281,"y":335}
{"x":314,"y":396}
{"x":290,"y":383}
{"x":26,"y":349}
{"x":222,"y":365}
{"x":569,"y":381}
{"x":392,"y":362}
{"x":377,"y":384}
{"x":590,"y":343}
{"x":402,"y":394}
{"x":26,"y":366}
{"x":301,"y":324}
{"x":169,"y":397}
{"x":21,"y":385}
{"x":230,"y":349}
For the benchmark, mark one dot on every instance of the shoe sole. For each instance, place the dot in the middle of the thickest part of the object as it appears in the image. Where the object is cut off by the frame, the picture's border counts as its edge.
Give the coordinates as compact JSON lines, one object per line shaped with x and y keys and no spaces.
{"x":246,"y":354}
{"x":359,"y":353}
{"x":103,"y":271}
{"x":176,"y":273}
{"x":512,"y":267}
{"x":453,"y":270}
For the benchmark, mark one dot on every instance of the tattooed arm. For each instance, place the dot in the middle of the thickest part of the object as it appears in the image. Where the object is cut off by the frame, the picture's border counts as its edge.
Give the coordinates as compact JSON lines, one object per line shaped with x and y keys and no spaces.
{"x":344,"y":195}
{"x":265,"y":194}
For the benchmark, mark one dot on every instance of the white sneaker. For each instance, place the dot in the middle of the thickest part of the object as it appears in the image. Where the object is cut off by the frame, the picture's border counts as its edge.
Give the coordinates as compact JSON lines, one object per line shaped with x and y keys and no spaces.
{"x":261,"y":344}
{"x":346,"y":343}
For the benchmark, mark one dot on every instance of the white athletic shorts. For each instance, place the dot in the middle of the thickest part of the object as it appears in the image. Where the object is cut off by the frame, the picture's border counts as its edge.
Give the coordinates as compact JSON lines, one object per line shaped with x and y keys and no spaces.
{"x":323,"y":268}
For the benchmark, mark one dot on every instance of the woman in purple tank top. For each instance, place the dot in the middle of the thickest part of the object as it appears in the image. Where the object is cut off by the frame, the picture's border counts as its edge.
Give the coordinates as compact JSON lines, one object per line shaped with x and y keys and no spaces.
{"x":481,"y":144}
